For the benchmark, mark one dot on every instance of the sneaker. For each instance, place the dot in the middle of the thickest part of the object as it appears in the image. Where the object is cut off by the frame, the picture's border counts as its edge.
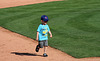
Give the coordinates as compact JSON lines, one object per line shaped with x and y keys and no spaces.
{"x":45,"y":55}
{"x":37,"y":48}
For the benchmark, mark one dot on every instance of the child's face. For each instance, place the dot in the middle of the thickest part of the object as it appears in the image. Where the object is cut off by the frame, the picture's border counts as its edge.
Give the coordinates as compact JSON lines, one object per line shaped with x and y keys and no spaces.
{"x":43,"y":22}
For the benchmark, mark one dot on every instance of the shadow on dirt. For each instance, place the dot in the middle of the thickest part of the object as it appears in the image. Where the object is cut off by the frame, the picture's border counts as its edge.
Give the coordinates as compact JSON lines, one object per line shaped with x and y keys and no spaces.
{"x":25,"y":54}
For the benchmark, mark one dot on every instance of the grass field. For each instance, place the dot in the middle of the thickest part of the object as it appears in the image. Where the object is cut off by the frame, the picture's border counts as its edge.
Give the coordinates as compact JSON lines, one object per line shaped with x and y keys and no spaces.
{"x":75,"y":24}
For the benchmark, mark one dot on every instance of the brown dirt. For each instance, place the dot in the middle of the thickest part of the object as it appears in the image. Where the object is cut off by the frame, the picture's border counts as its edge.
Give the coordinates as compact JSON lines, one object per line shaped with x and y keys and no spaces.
{"x":15,"y":47}
{"x":12,"y":3}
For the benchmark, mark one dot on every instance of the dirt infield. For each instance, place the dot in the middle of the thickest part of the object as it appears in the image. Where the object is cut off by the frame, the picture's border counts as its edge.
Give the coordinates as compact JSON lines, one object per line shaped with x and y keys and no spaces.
{"x":12,"y":3}
{"x":15,"y":47}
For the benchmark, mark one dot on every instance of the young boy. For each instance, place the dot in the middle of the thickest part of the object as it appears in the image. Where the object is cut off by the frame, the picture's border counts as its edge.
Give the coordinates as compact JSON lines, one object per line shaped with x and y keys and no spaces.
{"x":42,"y":35}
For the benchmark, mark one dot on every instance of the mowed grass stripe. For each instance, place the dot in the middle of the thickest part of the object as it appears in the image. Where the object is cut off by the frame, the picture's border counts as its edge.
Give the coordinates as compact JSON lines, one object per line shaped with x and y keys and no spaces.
{"x":74,"y":23}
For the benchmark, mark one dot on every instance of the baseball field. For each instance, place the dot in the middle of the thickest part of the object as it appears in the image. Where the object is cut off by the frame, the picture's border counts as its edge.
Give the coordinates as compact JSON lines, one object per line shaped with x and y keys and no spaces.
{"x":75,"y":25}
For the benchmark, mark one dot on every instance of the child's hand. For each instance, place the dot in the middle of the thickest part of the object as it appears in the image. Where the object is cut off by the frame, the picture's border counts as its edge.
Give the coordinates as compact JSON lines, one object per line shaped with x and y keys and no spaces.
{"x":36,"y":39}
{"x":51,"y":36}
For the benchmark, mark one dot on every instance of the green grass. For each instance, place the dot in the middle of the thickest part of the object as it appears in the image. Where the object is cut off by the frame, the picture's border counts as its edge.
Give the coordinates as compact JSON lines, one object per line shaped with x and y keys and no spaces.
{"x":75,"y":24}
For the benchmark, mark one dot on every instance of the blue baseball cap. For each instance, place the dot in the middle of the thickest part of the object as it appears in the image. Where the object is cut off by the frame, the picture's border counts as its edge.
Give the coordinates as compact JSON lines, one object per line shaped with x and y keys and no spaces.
{"x":44,"y":18}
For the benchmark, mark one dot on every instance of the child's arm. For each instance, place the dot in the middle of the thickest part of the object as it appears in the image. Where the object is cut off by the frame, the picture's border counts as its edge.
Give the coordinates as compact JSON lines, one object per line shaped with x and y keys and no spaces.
{"x":37,"y":37}
{"x":50,"y":34}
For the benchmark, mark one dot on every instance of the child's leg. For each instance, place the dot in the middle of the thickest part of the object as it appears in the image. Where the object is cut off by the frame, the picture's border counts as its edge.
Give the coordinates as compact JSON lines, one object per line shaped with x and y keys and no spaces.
{"x":45,"y":49}
{"x":40,"y":45}
{"x":45,"y":46}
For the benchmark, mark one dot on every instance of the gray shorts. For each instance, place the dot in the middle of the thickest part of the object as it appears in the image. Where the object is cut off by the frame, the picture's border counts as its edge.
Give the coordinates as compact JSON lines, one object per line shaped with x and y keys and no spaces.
{"x":43,"y":43}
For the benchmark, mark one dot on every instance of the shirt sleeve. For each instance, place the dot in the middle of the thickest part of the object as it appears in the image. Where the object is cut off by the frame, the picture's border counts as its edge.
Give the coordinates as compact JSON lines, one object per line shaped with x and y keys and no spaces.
{"x":38,"y":30}
{"x":48,"y":29}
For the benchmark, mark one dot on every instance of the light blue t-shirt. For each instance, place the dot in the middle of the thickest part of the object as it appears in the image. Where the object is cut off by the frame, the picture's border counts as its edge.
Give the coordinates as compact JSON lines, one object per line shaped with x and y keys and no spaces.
{"x":43,"y":32}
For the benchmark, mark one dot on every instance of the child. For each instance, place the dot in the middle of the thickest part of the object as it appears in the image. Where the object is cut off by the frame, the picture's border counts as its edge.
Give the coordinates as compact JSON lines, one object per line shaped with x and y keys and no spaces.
{"x":42,"y":35}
